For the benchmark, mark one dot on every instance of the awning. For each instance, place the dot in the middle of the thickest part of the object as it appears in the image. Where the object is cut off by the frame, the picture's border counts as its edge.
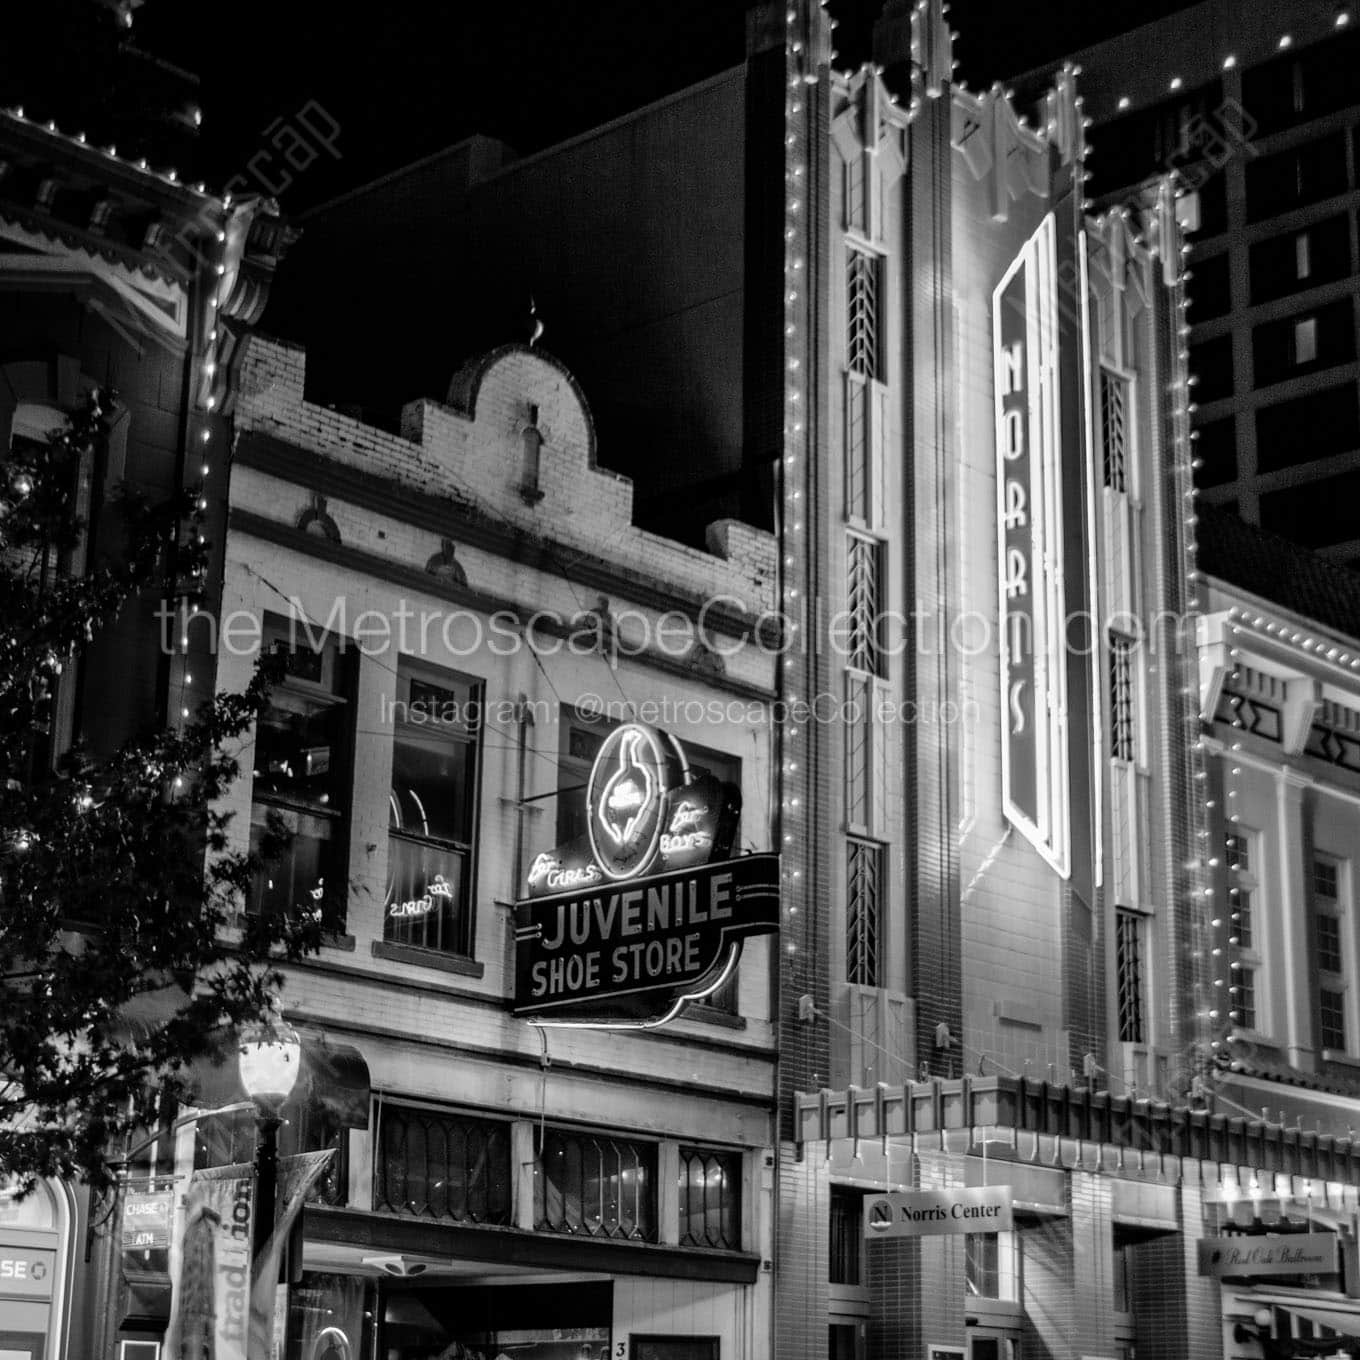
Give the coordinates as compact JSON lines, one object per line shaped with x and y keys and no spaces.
{"x":1323,"y":1309}
{"x":334,"y":1078}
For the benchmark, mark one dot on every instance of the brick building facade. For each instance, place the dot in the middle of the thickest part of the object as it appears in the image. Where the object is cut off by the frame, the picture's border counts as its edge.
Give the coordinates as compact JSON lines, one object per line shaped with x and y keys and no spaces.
{"x":513,"y":1186}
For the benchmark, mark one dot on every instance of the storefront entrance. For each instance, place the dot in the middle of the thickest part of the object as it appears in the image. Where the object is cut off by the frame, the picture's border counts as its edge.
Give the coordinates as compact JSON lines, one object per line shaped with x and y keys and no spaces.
{"x":343,"y":1317}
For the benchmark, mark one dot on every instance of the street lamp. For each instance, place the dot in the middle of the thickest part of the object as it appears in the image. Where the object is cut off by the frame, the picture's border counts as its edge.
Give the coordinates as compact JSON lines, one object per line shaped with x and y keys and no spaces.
{"x":270,"y":1055}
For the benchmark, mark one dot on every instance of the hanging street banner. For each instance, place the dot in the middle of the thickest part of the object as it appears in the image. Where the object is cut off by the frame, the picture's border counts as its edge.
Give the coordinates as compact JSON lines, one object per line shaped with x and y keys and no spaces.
{"x":1232,"y":1257}
{"x":938,"y":1213}
{"x":210,"y":1271}
{"x":215,"y":1308}
{"x":645,"y":910}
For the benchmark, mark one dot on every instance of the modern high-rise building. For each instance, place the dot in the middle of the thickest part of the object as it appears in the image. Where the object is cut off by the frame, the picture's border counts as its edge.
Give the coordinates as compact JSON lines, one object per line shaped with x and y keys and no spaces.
{"x":1253,"y":108}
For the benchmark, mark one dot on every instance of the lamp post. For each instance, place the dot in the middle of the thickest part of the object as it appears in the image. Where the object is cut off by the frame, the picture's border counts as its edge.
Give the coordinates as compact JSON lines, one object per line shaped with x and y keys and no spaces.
{"x":270,"y":1055}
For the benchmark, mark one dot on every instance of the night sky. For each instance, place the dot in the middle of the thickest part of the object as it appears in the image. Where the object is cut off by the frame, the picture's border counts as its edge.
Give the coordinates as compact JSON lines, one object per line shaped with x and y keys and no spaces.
{"x":404,"y":78}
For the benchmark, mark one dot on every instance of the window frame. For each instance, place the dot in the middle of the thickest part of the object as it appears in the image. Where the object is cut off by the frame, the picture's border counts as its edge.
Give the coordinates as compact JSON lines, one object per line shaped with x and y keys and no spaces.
{"x":1249,"y":962}
{"x":337,"y":688}
{"x":1334,"y":907}
{"x":470,"y":734}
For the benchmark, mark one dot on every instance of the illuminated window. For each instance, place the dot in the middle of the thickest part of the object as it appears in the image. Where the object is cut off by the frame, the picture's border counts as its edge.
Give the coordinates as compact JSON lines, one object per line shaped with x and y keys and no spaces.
{"x":302,"y":774}
{"x":1303,"y":263}
{"x":590,"y":1186}
{"x":1129,"y":971}
{"x":710,"y":1198}
{"x":1305,"y":340}
{"x":431,"y":810}
{"x":863,"y":343}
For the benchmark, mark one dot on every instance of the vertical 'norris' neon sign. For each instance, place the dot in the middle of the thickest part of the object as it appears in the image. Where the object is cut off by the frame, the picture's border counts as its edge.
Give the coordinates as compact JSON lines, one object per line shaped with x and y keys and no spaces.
{"x":1034,"y":754}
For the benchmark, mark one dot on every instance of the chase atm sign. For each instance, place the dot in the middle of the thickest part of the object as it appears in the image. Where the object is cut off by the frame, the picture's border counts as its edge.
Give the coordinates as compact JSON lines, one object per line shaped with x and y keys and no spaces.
{"x":646,"y":910}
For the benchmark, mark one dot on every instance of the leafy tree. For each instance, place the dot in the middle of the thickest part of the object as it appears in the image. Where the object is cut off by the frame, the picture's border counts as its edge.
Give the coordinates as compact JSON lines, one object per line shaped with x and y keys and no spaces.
{"x":119,"y":963}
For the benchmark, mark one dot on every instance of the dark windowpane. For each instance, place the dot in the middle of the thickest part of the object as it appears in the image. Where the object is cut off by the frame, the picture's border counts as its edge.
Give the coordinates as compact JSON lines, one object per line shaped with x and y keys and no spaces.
{"x":1216,"y":448}
{"x":1129,"y":969}
{"x":1304,"y":343}
{"x":1213,"y":205}
{"x":1319,"y":254}
{"x":847,"y":1235}
{"x":1212,"y":364}
{"x":1332,"y":1006}
{"x":1329,"y":943}
{"x":1316,"y":514}
{"x":1208,"y":291}
{"x":442,"y":1166}
{"x":1305,"y":428}
{"x":432,"y":785}
{"x":1290,"y":179}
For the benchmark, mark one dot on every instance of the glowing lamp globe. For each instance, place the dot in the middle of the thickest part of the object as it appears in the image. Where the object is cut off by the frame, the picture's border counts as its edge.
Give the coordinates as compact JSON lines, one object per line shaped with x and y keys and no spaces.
{"x":270,"y":1057}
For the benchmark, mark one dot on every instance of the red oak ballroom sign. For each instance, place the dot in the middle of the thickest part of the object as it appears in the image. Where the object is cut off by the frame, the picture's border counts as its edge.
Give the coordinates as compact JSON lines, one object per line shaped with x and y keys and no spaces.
{"x":645,"y":910}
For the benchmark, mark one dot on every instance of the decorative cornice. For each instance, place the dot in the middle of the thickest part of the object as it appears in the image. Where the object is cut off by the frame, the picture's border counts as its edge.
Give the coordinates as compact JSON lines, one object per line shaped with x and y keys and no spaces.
{"x":1059,"y":1124}
{"x":445,"y":517}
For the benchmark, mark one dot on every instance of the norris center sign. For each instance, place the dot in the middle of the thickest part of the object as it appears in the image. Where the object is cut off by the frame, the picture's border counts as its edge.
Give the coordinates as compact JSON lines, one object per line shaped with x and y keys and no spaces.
{"x":645,"y":910}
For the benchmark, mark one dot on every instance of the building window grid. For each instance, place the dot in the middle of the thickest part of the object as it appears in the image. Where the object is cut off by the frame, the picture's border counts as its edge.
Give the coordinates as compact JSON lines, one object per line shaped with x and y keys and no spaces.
{"x":1330,"y":935}
{"x":1241,"y":885}
{"x":863,"y":273}
{"x":1123,"y":709}
{"x":710,"y":1198}
{"x":1240,"y":857}
{"x":863,"y":911}
{"x":1129,"y":974}
{"x":1114,"y":414}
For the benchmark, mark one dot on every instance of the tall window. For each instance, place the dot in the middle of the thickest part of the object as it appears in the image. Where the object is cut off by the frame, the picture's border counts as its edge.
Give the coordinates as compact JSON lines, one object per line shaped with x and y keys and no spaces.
{"x":864,"y":604}
{"x":432,"y":810}
{"x":847,"y":1235}
{"x":1122,"y":1272}
{"x":863,"y":911}
{"x":302,"y":774}
{"x":1123,"y":706}
{"x":1333,"y":974}
{"x":710,"y":1198}
{"x":1129,"y":971}
{"x":991,"y":1265}
{"x":1242,"y":849}
{"x":863,"y":338}
{"x":1114,"y":417}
